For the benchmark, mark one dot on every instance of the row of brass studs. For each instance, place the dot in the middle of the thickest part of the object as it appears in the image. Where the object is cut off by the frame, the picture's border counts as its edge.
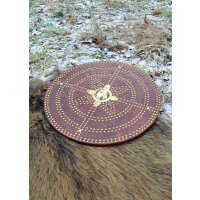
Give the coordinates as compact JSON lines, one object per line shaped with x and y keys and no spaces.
{"x":153,"y":84}
{"x":60,"y":111}
{"x":86,"y":99}
{"x":85,"y":121}
{"x":49,"y":115}
{"x":115,"y":74}
{"x":103,"y":118}
{"x":85,"y":71}
{"x":119,"y":127}
{"x":121,"y":138}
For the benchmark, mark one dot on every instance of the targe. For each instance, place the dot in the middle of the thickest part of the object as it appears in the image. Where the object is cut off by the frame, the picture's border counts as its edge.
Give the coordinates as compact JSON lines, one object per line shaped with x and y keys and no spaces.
{"x":102,"y":103}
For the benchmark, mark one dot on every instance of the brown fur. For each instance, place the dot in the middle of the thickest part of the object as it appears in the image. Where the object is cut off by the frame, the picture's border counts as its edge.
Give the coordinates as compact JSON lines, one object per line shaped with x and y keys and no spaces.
{"x":61,"y":169}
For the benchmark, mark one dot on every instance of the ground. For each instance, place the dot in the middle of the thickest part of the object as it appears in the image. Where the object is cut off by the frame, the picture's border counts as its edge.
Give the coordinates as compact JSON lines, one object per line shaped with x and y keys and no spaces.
{"x":65,"y":32}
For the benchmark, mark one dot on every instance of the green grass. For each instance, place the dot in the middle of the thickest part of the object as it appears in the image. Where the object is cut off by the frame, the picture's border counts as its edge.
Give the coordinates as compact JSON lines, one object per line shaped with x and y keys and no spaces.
{"x":40,"y":60}
{"x":164,"y":12}
{"x":58,"y":14}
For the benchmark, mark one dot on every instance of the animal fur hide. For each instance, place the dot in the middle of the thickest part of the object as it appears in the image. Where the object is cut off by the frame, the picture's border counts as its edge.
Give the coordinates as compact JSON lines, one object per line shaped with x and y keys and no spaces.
{"x":61,"y":169}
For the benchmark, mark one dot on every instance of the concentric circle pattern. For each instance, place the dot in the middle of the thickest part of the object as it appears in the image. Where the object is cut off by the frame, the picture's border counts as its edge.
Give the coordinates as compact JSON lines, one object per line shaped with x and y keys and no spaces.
{"x":102,"y":103}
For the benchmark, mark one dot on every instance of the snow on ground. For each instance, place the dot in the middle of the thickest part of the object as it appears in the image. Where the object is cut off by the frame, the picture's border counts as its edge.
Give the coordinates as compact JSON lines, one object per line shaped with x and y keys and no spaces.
{"x":65,"y":32}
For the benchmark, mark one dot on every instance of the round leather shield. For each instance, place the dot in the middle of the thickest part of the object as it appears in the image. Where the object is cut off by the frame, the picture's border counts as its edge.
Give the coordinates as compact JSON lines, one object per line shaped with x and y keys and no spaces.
{"x":102,"y":103}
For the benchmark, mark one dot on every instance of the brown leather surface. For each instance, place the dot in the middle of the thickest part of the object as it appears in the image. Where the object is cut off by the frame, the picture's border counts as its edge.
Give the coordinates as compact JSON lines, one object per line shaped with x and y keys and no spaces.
{"x":71,"y":111}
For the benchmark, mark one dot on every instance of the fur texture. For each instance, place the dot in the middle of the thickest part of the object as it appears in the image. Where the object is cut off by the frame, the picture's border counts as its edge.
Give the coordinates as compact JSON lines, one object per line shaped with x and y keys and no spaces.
{"x":61,"y":169}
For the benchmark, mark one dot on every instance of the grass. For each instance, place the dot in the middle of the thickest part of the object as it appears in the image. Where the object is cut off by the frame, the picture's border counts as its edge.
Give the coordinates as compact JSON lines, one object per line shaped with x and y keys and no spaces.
{"x":164,"y":12}
{"x":54,"y":19}
{"x":119,"y":4}
{"x":114,"y":3}
{"x":40,"y":60}
{"x":150,"y":39}
{"x":58,"y":14}
{"x":98,"y":36}
{"x":95,"y":33}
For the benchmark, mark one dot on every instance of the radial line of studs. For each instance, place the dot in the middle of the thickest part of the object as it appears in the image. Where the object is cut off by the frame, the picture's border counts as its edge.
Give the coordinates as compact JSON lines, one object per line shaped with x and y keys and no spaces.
{"x":115,"y":73}
{"x":85,"y":121}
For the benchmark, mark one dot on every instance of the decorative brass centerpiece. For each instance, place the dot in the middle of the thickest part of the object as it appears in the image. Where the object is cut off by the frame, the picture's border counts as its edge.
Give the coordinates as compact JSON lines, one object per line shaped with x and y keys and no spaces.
{"x":102,"y":95}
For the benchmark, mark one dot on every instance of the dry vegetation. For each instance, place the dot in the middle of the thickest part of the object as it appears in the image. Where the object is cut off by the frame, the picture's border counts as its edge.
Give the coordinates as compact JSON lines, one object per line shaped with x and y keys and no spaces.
{"x":65,"y":32}
{"x":98,"y":36}
{"x":150,"y":38}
